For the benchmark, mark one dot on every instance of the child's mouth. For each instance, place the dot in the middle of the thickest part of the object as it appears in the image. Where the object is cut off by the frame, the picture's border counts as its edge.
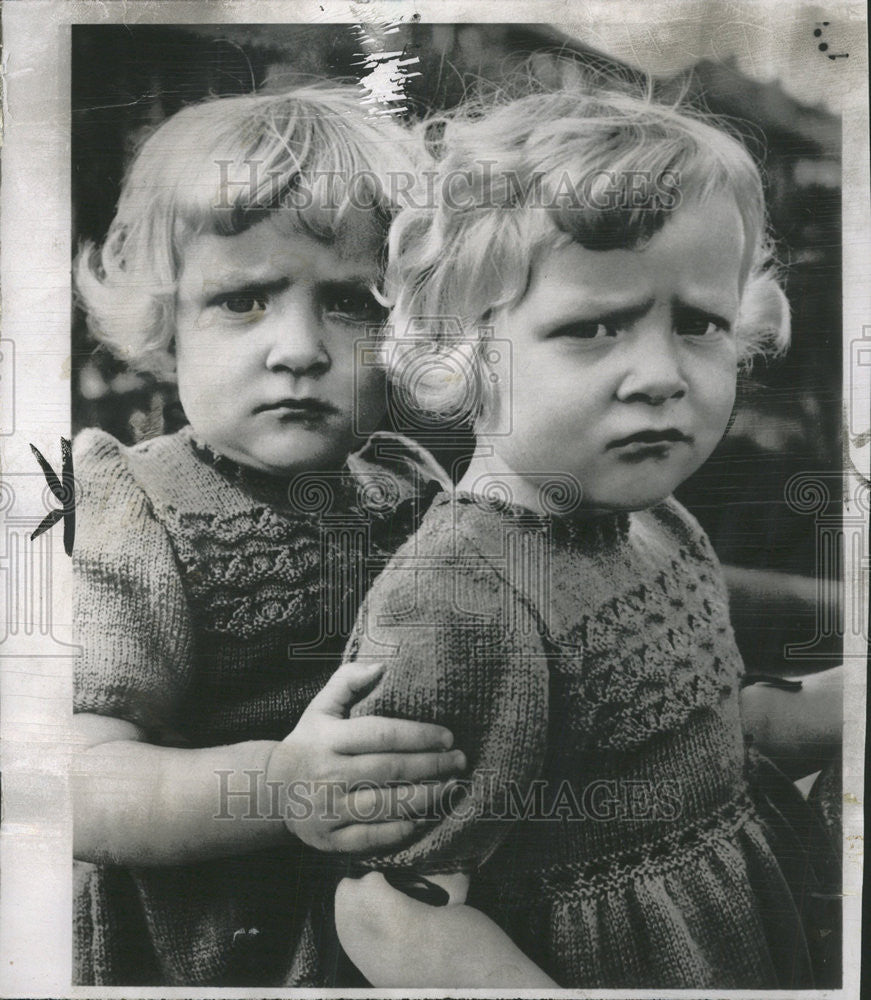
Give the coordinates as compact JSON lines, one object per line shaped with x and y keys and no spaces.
{"x":298,"y":409}
{"x":668,"y":436}
{"x":640,"y":452}
{"x":648,"y":444}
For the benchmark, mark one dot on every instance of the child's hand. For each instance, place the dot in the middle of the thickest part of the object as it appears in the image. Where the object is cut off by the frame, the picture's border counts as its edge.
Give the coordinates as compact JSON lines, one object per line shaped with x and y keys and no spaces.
{"x":340,"y":774}
{"x":399,"y":942}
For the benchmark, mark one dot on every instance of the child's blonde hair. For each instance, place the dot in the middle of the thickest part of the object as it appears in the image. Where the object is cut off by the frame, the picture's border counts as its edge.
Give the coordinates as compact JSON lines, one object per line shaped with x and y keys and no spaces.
{"x":601,"y":167}
{"x":219,"y":167}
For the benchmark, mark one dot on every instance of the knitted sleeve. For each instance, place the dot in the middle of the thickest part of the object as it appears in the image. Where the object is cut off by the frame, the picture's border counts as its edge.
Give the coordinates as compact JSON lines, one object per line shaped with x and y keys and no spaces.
{"x":462,"y":649}
{"x":130,"y":612}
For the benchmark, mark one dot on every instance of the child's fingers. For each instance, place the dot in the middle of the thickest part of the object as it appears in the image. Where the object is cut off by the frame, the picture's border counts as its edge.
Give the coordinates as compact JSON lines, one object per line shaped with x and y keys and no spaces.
{"x":383,"y":768}
{"x":347,"y":685}
{"x":386,"y":805}
{"x":362,"y":838}
{"x":375,"y":734}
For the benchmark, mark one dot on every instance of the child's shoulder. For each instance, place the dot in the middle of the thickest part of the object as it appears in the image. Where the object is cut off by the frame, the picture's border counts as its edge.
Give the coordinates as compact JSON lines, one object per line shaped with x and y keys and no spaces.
{"x":456,"y":567}
{"x":102,"y":463}
{"x":454,"y":550}
{"x":468,"y":528}
{"x":96,"y":448}
{"x":167,"y":470}
{"x":116,"y":490}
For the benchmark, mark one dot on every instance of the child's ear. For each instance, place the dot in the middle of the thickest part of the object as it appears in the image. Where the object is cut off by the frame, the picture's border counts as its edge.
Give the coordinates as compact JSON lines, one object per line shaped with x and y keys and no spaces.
{"x":763,"y":320}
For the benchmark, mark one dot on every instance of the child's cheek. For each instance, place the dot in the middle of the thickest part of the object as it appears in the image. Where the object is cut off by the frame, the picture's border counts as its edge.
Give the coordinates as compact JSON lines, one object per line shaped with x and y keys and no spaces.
{"x":721,"y":387}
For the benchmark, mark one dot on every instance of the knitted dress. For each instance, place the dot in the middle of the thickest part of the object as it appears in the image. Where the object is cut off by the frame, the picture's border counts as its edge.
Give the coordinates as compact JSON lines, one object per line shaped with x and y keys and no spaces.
{"x":211,"y":605}
{"x":588,"y":670}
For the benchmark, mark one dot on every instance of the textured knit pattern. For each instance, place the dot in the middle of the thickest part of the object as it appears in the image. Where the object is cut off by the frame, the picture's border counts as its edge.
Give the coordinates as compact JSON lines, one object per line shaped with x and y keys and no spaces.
{"x":211,"y":605}
{"x":589,"y":671}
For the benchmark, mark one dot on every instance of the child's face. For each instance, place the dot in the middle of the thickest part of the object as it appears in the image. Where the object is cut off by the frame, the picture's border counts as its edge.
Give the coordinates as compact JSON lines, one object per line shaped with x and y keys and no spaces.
{"x":266,"y":323}
{"x":624,"y":361}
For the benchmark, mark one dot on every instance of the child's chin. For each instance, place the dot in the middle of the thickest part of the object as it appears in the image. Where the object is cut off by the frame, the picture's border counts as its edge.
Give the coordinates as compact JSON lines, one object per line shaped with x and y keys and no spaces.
{"x":646,"y":488}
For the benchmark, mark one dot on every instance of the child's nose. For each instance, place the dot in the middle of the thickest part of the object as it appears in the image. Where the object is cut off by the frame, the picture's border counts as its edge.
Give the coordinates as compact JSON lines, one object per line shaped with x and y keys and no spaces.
{"x":654,"y":373}
{"x":297,"y":341}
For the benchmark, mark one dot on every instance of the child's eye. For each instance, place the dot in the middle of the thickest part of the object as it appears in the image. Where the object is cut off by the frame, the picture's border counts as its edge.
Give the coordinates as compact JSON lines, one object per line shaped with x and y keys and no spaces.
{"x":354,"y":306}
{"x":587,"y":330}
{"x":243,"y":304}
{"x":692,"y":324}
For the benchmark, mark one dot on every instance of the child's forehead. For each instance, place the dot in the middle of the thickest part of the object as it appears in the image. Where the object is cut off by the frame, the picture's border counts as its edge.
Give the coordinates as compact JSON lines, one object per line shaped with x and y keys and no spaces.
{"x":357,"y":232}
{"x":280,"y":241}
{"x":701,"y":249}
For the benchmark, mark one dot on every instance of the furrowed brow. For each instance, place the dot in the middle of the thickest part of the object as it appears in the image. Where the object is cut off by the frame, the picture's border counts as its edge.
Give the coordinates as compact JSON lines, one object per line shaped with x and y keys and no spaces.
{"x":353,"y":283}
{"x":248,"y":287}
{"x":604,"y":311}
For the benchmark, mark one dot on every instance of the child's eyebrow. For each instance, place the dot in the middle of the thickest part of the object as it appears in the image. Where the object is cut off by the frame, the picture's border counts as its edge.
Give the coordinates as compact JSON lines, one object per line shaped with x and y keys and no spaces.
{"x":353,"y":283}
{"x":273,"y":286}
{"x":591,"y":309}
{"x":626,"y":314}
{"x":603,"y":312}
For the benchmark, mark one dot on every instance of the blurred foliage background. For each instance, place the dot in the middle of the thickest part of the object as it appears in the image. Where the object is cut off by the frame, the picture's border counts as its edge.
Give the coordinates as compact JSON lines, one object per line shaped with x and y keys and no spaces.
{"x":126,"y":80}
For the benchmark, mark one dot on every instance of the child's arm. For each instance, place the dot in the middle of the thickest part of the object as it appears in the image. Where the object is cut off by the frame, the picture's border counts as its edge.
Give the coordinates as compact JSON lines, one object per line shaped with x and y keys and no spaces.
{"x":140,"y":804}
{"x":799,"y":730}
{"x":396,"y":941}
{"x":485,"y":676}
